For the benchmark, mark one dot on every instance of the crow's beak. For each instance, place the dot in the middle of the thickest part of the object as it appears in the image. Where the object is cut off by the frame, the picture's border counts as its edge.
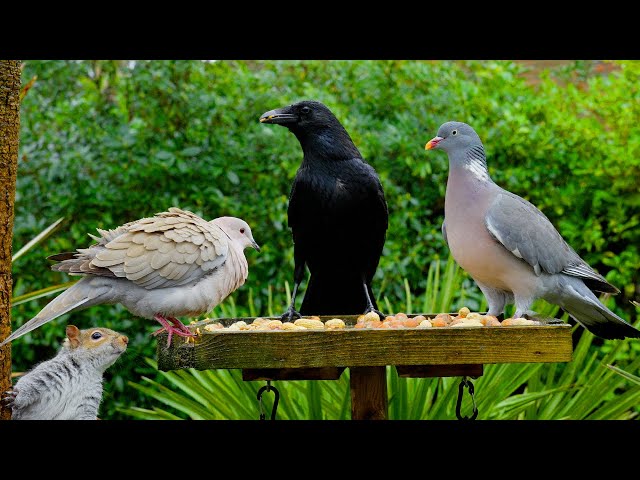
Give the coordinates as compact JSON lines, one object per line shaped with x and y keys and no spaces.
{"x":433,"y":143}
{"x":281,"y":116}
{"x":255,"y":245}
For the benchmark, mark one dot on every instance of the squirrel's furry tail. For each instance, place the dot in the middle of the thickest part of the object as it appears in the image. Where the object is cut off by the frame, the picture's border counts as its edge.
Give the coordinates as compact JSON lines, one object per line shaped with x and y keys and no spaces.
{"x":71,"y":299}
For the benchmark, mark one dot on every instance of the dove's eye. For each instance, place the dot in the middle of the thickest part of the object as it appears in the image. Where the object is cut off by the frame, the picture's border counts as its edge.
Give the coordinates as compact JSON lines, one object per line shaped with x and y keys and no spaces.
{"x":242,"y":230}
{"x":96,"y":335}
{"x":455,"y":132}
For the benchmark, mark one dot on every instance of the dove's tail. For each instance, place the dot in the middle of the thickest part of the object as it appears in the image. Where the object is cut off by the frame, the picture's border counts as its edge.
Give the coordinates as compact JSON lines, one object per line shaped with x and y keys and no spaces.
{"x":75,"y":297}
{"x":335,"y":293}
{"x":579,"y":302}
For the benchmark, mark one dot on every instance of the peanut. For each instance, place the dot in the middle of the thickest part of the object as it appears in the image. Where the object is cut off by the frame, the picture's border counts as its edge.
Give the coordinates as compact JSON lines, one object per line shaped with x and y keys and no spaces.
{"x":425,"y":324}
{"x":519,"y":321}
{"x":292,"y":327}
{"x":445,"y":317}
{"x":310,"y":324}
{"x":463,"y":312}
{"x":334,"y":323}
{"x":470,"y":323}
{"x":413,"y":322}
{"x":371,"y":316}
{"x":490,"y":321}
{"x":210,"y":327}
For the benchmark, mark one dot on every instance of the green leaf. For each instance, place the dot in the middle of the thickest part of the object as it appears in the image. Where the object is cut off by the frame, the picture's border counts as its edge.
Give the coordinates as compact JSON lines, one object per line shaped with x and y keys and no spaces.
{"x":627,"y":375}
{"x":191,"y":151}
{"x":37,"y":239}
{"x":233,"y":177}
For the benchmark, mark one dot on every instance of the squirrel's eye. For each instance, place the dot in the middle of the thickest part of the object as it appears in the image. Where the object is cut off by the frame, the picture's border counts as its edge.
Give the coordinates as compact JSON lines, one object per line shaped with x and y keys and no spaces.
{"x":455,"y":132}
{"x":242,"y":230}
{"x":305,"y":110}
{"x":96,"y":335}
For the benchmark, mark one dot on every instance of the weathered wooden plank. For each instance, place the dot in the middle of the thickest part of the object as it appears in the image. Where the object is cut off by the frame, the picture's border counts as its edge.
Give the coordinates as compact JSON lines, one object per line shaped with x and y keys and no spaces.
{"x":422,"y":371}
{"x":326,"y":373}
{"x":369,"y":400}
{"x":354,"y":347}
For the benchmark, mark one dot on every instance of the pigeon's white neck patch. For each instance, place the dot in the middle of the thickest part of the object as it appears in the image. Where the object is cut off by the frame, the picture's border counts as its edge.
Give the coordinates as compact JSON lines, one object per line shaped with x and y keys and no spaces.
{"x":476,"y":163}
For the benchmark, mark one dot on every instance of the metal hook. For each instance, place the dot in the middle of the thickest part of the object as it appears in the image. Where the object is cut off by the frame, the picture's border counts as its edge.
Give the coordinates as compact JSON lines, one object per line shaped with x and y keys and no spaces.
{"x":276,"y":393}
{"x":466,"y":383}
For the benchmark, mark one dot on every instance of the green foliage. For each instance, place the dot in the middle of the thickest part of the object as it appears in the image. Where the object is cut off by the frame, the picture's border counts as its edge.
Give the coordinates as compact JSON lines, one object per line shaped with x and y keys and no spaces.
{"x":107,"y":142}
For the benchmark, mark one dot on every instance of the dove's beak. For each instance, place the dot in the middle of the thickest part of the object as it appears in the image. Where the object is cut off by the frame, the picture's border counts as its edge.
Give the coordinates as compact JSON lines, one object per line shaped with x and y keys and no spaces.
{"x":255,"y":245}
{"x":433,"y":143}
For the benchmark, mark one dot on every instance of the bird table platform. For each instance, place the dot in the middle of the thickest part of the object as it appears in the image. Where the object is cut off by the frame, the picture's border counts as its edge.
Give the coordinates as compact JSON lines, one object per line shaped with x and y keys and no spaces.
{"x":324,"y":354}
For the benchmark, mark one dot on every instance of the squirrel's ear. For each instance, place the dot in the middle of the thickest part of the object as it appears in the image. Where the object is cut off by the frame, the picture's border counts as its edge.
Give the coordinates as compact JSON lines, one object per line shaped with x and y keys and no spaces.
{"x":73,"y":334}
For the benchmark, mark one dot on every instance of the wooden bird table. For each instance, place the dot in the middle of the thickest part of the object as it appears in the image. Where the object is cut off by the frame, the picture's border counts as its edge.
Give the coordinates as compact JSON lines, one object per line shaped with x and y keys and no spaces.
{"x":324,"y":354}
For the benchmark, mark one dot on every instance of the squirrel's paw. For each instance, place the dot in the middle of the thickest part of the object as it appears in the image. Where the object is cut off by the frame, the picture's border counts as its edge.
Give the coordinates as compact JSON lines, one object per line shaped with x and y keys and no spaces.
{"x":9,"y":397}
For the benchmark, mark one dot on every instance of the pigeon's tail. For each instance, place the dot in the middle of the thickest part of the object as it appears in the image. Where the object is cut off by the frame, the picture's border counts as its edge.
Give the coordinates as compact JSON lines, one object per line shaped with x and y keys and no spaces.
{"x":73,"y":298}
{"x":335,"y":293}
{"x":579,"y":302}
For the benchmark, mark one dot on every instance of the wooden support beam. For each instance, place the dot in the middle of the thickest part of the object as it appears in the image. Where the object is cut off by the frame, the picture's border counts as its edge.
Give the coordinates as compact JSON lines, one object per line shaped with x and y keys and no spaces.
{"x":369,"y":400}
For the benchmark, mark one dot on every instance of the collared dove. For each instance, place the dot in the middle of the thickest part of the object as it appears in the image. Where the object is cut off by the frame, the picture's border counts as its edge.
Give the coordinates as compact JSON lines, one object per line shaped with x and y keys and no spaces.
{"x":337,"y":214}
{"x":510,"y":248}
{"x":172,"y":264}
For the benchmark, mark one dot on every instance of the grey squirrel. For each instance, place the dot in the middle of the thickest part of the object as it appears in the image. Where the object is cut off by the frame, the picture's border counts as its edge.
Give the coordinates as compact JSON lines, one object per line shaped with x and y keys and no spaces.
{"x":69,"y":385}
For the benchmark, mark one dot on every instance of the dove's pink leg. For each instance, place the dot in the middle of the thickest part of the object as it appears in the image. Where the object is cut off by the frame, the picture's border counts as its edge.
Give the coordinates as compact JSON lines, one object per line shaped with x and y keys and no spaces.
{"x":179,"y":329}
{"x":178,"y":324}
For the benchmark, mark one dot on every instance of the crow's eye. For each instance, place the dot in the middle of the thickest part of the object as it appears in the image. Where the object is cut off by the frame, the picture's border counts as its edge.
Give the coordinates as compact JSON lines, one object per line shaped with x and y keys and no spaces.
{"x":455,"y":132}
{"x":242,"y":230}
{"x":305,"y":110}
{"x":96,"y":335}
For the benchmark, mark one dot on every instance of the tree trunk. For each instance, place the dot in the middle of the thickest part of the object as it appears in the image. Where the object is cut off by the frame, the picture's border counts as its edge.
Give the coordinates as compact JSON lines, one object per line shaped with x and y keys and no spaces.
{"x":9,"y":135}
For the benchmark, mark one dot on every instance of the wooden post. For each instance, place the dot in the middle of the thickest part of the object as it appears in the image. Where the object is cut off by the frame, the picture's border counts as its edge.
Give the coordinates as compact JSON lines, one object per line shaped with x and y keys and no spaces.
{"x":369,"y":400}
{"x":9,"y":137}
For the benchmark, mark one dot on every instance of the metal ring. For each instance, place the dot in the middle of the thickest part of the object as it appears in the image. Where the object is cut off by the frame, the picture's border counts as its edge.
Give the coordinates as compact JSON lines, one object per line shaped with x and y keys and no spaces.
{"x":466,"y":383}
{"x":276,"y":400}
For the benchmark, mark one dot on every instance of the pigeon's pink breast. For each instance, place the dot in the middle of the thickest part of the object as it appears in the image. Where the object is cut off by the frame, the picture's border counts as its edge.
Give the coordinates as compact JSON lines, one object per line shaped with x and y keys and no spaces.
{"x":471,"y":244}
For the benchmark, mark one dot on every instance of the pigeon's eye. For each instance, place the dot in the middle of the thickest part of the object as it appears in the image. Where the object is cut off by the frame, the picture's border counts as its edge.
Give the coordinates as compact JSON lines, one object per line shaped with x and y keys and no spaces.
{"x":242,"y":230}
{"x":305,"y":110}
{"x":455,"y":132}
{"x":96,"y":335}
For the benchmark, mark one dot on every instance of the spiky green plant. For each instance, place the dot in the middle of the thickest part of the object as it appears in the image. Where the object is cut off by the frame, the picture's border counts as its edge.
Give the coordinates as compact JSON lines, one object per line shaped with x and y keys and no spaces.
{"x":43,"y":292}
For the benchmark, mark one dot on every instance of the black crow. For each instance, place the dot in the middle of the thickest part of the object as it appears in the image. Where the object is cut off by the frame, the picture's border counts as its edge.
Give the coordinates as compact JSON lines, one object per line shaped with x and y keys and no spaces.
{"x":337,"y":214}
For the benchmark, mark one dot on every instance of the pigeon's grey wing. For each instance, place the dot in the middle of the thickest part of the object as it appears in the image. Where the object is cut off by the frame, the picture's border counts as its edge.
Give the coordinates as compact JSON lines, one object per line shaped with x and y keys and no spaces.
{"x":528,"y":234}
{"x":170,"y":249}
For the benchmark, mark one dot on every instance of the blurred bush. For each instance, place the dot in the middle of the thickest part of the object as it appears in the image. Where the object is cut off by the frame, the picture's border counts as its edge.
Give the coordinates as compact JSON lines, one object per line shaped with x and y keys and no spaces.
{"x":107,"y":142}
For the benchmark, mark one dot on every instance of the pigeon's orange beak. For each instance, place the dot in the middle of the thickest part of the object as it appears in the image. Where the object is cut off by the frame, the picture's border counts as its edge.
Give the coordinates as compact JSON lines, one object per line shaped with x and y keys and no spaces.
{"x":433,"y":143}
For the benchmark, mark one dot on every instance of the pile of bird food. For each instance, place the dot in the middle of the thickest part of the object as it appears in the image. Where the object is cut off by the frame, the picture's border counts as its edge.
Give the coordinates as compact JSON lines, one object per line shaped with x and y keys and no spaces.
{"x":464,"y":318}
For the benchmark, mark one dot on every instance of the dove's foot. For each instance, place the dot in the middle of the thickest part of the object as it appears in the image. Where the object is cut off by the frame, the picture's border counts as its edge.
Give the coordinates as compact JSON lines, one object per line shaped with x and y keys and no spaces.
{"x":290,"y":315}
{"x":177,"y":328}
{"x":181,"y":326}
